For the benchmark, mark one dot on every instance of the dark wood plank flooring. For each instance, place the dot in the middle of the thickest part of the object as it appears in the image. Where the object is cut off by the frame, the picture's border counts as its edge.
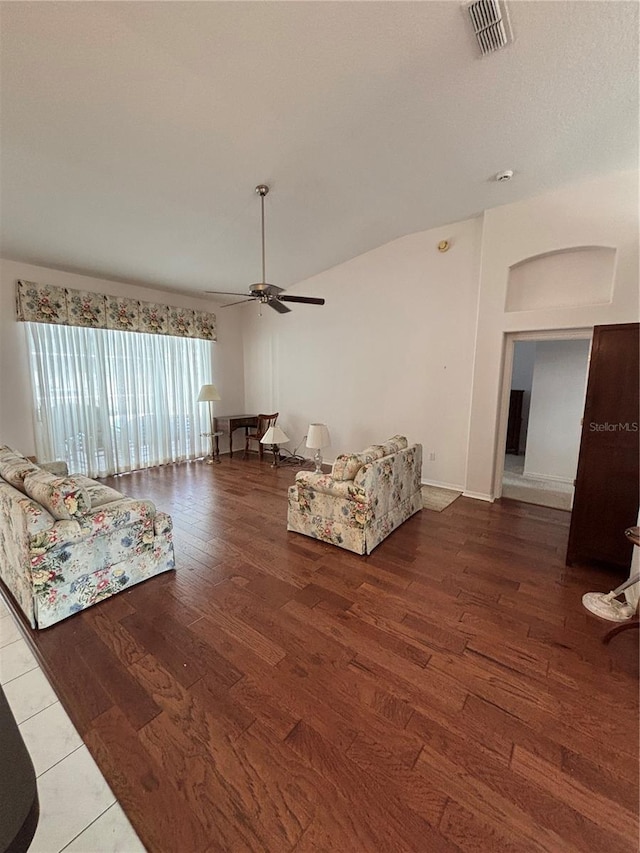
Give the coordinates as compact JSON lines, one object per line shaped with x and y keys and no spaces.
{"x":446,"y":693}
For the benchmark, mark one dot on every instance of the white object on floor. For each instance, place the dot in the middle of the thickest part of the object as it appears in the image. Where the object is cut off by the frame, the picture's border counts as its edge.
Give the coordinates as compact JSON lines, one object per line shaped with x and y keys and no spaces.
{"x":607,"y":606}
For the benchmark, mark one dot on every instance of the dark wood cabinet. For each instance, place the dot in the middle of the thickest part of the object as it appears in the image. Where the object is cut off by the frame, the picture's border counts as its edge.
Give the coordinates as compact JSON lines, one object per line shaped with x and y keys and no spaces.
{"x":514,"y":424}
{"x":606,"y":491}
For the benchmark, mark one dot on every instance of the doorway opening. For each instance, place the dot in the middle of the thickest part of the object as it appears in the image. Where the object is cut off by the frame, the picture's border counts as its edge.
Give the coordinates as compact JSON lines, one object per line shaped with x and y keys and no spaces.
{"x":544,"y":387}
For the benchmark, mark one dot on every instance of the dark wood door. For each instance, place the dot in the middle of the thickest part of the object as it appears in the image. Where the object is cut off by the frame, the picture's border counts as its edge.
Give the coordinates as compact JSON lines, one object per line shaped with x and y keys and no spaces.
{"x":514,"y":424}
{"x":606,"y":493}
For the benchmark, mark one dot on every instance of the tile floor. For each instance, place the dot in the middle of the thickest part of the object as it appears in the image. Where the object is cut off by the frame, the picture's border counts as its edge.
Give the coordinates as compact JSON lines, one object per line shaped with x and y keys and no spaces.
{"x":78,"y":811}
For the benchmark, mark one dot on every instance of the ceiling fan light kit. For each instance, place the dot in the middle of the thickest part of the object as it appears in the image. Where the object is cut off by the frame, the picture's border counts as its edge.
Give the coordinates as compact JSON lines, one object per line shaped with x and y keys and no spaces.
{"x":267,"y":294}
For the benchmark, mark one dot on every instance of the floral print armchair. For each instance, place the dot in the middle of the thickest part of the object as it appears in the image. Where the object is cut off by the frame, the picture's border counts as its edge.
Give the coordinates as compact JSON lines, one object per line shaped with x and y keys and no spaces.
{"x":366,"y":496}
{"x":68,"y":542}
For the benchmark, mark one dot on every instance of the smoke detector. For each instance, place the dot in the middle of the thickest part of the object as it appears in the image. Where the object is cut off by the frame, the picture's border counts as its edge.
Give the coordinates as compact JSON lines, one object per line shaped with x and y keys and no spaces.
{"x":501,"y":177}
{"x":490,"y":25}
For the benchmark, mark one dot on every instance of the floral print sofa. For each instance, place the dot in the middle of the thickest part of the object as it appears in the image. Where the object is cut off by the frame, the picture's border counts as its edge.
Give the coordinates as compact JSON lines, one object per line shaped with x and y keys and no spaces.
{"x":69,"y":542}
{"x":366,"y":496}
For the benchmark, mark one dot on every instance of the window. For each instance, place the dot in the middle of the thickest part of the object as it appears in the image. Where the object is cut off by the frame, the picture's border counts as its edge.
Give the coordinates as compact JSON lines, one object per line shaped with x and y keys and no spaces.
{"x":108,"y":401}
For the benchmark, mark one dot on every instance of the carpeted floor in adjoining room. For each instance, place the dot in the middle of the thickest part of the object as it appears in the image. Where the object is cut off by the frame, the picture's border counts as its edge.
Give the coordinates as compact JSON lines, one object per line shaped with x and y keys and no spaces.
{"x":520,"y":487}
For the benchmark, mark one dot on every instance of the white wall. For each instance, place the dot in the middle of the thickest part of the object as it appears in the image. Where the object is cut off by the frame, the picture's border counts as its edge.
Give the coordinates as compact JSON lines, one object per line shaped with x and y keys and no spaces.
{"x":557,"y":404}
{"x":524,"y":359}
{"x":390,"y":352}
{"x":599,"y":212}
{"x":410,"y":340}
{"x":16,"y":424}
{"x":542,"y":282}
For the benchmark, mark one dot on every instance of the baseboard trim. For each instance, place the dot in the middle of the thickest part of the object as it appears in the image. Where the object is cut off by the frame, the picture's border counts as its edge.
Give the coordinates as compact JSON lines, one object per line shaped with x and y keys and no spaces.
{"x":478,"y":496}
{"x":530,"y":475}
{"x":440,"y":485}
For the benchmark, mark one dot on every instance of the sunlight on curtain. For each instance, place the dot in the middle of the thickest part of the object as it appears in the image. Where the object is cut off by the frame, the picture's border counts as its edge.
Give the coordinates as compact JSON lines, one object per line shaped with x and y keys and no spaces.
{"x":108,"y":402}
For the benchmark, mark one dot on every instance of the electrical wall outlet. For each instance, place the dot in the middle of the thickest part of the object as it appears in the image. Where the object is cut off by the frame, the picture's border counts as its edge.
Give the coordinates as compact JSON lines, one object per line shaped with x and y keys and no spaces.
{"x":432,"y":457}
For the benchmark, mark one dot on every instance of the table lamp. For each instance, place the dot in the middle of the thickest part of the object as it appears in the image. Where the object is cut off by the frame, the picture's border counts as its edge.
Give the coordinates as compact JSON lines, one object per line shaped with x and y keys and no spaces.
{"x":208,"y":394}
{"x":274,"y":436}
{"x":317,"y":438}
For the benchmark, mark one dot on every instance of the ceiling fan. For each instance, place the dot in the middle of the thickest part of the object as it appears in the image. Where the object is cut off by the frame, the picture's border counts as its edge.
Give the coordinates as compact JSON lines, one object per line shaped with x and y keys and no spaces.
{"x":268,"y":294}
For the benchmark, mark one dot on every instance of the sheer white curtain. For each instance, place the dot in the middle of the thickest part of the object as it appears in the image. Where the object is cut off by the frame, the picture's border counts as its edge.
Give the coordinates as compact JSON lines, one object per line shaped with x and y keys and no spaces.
{"x":109,"y":402}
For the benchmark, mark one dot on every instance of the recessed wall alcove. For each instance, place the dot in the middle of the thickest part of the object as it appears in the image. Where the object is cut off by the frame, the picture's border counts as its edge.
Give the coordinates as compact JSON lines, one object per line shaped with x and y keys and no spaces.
{"x":563,"y":279}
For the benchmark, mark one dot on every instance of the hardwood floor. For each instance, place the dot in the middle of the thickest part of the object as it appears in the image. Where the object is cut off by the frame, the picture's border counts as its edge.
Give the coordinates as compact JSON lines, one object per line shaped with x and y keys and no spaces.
{"x":446,"y":693}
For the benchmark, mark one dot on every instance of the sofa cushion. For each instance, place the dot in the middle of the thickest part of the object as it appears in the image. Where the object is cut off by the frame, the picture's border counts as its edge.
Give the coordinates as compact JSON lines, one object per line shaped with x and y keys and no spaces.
{"x":346,"y":466}
{"x":393,"y":445}
{"x":99,"y":494}
{"x":14,"y":467}
{"x":325,"y":484}
{"x":37,"y":517}
{"x":7,"y":453}
{"x":118,"y":515}
{"x":373,"y":452}
{"x":60,"y":533}
{"x":63,"y":497}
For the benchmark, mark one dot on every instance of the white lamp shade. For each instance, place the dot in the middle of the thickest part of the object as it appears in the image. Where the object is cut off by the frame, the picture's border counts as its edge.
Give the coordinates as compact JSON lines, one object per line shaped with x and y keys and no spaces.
{"x":318,"y":436}
{"x":208,"y":393}
{"x":274,"y":435}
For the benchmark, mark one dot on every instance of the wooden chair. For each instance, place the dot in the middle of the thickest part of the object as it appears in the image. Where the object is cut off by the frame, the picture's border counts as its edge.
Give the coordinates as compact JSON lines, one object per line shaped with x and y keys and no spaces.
{"x":264,"y":422}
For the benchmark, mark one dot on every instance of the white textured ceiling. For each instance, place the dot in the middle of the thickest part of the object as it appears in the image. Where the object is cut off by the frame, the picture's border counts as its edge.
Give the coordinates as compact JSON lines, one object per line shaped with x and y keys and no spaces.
{"x":133,"y":133}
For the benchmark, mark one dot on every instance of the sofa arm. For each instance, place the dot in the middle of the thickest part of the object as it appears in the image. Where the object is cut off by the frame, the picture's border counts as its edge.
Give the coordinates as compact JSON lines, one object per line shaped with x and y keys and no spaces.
{"x":326,"y":485}
{"x":61,"y":533}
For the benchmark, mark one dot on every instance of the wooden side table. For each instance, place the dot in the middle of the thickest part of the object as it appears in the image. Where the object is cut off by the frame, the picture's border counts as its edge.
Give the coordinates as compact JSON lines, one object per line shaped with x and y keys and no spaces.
{"x":228,"y":423}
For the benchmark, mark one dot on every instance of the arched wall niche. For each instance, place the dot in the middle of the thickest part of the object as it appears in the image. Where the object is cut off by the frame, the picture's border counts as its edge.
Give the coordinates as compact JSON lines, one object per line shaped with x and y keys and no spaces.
{"x":582,"y":275}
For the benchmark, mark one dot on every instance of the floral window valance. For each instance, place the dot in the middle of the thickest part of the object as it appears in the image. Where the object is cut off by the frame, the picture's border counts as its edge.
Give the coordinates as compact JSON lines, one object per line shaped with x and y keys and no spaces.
{"x":45,"y":303}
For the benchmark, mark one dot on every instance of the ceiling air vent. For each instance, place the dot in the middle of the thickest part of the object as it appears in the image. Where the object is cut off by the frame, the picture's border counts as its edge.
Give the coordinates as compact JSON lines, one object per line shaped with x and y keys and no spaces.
{"x":490,"y":24}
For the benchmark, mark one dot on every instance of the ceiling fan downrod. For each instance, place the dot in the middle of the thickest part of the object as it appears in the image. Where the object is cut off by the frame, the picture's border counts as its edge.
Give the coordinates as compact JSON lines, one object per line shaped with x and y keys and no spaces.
{"x":262,"y":190}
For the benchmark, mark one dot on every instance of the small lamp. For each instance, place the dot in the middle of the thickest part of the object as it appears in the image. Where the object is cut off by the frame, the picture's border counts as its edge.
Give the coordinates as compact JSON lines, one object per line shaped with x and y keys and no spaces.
{"x":317,"y":438}
{"x":208,"y":394}
{"x":274,"y":436}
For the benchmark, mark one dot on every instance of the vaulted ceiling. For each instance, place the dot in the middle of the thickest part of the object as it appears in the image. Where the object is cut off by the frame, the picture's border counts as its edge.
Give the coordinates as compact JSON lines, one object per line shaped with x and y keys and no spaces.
{"x":133,"y":133}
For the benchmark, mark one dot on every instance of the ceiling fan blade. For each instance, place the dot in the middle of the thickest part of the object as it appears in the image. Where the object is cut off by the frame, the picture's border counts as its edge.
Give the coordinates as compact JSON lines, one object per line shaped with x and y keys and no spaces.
{"x":226,"y":293}
{"x":309,"y":300}
{"x":278,"y":306}
{"x":229,"y":304}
